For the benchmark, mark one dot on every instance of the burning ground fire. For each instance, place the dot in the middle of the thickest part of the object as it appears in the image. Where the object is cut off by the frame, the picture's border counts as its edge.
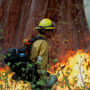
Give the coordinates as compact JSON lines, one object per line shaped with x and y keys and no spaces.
{"x":6,"y":82}
{"x":74,"y":76}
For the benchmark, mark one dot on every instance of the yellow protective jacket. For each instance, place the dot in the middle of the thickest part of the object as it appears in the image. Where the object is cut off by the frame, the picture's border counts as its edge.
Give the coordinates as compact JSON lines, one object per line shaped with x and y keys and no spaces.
{"x":40,"y":52}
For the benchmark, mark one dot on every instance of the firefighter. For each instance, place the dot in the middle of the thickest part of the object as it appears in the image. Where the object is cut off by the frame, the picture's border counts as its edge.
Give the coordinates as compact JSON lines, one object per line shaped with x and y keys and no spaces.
{"x":39,"y":51}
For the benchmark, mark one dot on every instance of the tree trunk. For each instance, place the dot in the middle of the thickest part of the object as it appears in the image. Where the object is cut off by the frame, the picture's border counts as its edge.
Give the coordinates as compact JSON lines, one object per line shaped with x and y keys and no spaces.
{"x":18,"y":19}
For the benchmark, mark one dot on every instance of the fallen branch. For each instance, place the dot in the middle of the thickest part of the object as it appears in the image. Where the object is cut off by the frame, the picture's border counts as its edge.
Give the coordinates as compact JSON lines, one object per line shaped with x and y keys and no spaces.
{"x":63,"y":76}
{"x":81,"y":74}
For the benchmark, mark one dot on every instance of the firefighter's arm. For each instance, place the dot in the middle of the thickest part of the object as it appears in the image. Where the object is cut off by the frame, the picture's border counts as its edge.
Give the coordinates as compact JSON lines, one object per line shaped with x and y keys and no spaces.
{"x":34,"y":52}
{"x":43,"y":56}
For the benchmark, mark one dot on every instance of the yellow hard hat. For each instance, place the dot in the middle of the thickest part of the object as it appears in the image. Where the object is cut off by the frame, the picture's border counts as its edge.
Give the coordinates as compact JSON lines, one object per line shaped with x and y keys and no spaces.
{"x":45,"y":24}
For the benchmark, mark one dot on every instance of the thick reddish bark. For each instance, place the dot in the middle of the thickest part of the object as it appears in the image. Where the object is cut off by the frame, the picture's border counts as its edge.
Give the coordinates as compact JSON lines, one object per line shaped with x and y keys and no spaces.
{"x":19,"y":17}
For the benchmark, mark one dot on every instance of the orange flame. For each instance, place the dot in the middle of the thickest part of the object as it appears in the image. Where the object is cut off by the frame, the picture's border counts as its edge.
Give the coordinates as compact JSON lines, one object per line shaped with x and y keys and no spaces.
{"x":77,"y":71}
{"x":7,"y":83}
{"x":73,"y":60}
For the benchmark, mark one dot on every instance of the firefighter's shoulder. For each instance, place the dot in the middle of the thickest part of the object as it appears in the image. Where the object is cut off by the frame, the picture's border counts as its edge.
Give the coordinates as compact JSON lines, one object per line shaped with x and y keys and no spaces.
{"x":40,"y":42}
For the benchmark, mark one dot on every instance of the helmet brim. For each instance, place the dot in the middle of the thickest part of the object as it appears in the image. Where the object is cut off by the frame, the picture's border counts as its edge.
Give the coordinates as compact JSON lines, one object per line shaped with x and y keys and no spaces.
{"x":38,"y":28}
{"x":44,"y":28}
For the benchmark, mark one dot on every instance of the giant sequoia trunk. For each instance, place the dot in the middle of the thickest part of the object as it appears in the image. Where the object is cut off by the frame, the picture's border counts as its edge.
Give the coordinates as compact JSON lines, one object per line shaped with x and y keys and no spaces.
{"x":18,"y":19}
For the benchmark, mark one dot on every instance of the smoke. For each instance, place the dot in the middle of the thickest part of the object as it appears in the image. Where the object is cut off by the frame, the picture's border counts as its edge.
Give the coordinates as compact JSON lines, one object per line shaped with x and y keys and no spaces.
{"x":87,"y":11}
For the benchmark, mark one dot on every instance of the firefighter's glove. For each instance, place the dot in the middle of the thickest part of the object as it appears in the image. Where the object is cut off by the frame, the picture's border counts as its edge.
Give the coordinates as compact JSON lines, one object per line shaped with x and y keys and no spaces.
{"x":52,"y":80}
